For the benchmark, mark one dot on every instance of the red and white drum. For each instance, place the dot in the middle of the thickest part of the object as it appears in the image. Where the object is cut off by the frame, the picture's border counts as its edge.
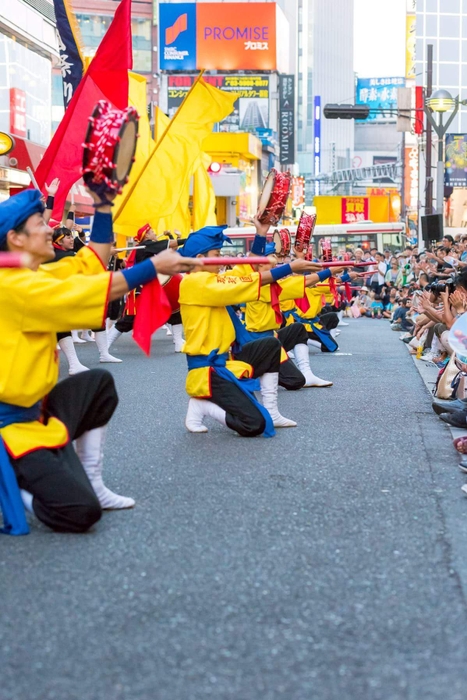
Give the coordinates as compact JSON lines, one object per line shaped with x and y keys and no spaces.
{"x":282,"y":241}
{"x":172,"y":289}
{"x":109,"y":148}
{"x":274,"y":197}
{"x":305,"y":229}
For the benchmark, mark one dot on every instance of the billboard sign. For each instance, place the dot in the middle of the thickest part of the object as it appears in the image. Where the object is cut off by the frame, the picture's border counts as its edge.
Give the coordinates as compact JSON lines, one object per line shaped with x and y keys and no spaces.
{"x":456,"y":160}
{"x":380,"y":95}
{"x":410,"y":44}
{"x":287,"y":119}
{"x":217,"y":36}
{"x":18,"y":112}
{"x":317,"y":140}
{"x":251,"y":109}
{"x":177,"y":36}
{"x":354,"y":209}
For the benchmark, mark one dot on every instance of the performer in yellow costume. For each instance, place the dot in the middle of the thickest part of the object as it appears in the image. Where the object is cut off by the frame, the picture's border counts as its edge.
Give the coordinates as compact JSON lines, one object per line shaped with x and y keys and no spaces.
{"x":39,"y":418}
{"x":264,"y":318}
{"x":307,"y":311}
{"x":218,"y":380}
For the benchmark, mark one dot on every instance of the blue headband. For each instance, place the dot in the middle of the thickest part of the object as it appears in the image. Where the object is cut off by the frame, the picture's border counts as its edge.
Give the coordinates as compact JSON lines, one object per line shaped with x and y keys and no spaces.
{"x":17,"y":209}
{"x":207,"y":238}
{"x":270,"y":249}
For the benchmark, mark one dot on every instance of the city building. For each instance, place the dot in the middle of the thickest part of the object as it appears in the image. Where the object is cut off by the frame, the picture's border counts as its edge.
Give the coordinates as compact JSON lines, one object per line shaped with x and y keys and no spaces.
{"x":443,"y":23}
{"x":93,"y":19}
{"x":27,"y":49}
{"x":324,"y":75}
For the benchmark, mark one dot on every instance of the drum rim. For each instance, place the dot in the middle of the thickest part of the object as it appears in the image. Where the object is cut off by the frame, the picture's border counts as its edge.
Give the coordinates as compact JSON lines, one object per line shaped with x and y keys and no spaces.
{"x":131,"y":118}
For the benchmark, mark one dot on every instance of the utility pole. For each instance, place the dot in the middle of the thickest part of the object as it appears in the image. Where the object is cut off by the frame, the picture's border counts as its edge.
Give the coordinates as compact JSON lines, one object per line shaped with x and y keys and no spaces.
{"x":429,"y":132}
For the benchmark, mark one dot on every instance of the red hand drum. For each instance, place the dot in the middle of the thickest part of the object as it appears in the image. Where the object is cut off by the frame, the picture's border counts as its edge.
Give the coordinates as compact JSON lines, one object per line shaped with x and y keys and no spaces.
{"x":172,"y":289}
{"x":305,"y":229}
{"x":282,"y":241}
{"x":274,"y":197}
{"x":109,"y":148}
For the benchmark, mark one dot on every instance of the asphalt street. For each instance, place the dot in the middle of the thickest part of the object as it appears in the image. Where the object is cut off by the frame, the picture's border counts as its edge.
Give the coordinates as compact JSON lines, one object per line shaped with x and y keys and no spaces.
{"x":327,"y":563}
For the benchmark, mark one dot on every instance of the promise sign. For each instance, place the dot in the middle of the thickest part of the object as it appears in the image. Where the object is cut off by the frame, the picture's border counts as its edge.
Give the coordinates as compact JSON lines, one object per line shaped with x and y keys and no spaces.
{"x":218,"y":36}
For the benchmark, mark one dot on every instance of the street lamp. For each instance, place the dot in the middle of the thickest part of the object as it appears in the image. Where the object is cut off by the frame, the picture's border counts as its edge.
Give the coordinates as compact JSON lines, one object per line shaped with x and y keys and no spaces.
{"x":440,"y":102}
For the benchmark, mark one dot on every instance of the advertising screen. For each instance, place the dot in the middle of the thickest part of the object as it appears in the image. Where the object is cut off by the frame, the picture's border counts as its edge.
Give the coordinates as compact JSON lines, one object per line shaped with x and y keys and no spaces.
{"x":218,"y":36}
{"x":251,"y":110}
{"x":456,"y":160}
{"x":380,"y":95}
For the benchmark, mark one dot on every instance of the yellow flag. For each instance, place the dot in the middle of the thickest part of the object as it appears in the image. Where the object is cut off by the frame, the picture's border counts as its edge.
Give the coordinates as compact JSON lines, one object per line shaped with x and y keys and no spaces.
{"x":144,"y":146}
{"x":204,"y":198}
{"x":157,"y":191}
{"x":180,"y":220}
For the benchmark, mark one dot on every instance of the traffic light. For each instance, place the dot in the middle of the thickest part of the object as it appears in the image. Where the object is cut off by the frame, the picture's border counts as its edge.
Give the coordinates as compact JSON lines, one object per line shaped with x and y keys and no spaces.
{"x":346,"y":111}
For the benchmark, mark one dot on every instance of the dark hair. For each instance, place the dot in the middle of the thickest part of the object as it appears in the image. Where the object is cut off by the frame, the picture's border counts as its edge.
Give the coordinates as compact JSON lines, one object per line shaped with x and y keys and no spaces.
{"x":60,"y":232}
{"x":448,"y":237}
{"x":21,"y":228}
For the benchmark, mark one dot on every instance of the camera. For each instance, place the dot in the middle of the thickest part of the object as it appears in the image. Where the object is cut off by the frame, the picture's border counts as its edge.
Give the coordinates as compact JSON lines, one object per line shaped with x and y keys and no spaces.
{"x":438,"y":287}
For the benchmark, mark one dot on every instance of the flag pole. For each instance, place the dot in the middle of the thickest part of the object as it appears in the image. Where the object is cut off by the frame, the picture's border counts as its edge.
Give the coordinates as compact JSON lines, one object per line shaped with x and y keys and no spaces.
{"x":159,"y":141}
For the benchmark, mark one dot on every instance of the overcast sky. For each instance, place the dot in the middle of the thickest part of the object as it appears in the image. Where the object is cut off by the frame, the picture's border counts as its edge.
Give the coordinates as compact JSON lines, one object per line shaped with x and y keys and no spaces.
{"x":379,"y":38}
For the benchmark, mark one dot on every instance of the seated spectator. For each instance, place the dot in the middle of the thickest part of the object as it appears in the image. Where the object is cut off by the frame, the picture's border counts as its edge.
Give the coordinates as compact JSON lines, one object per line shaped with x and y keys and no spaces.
{"x":400,"y":321}
{"x":377,"y":308}
{"x":363,"y":302}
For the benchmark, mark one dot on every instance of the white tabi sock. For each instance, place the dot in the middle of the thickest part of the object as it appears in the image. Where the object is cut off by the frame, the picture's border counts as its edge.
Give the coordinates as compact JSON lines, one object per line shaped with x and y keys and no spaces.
{"x":74,"y":365}
{"x":198,"y":410}
{"x":104,"y":354}
{"x":27,"y":497}
{"x":89,"y":448}
{"x":269,"y":383}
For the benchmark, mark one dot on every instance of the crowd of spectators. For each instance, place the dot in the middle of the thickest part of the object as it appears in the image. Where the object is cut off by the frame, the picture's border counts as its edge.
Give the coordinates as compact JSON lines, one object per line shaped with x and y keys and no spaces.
{"x":420,"y":293}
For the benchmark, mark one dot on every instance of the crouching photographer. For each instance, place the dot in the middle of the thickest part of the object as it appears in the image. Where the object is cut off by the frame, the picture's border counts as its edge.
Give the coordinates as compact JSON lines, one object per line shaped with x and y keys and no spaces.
{"x":441,"y":303}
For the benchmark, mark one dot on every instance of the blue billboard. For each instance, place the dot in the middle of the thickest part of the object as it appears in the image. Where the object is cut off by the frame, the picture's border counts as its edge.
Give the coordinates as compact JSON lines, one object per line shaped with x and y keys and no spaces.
{"x":380,"y":95}
{"x":177,"y":36}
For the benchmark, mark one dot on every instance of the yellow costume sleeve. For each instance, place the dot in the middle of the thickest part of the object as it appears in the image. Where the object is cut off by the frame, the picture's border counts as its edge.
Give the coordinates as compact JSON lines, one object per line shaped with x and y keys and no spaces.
{"x":208,"y":289}
{"x":45,"y":304}
{"x":292,"y":288}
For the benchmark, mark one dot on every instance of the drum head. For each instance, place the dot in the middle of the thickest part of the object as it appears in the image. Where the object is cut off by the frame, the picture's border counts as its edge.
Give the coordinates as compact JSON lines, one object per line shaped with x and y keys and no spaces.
{"x":277,"y":239}
{"x":266,"y":193}
{"x":125,"y":150}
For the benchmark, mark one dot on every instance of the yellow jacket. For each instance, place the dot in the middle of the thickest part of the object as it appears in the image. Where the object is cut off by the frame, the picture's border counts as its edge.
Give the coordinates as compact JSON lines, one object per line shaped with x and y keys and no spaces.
{"x":69,"y":294}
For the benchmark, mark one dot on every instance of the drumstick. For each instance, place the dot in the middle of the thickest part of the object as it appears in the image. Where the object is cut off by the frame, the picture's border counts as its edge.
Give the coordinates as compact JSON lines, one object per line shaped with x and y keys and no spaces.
{"x":130,"y":247}
{"x":15,"y":260}
{"x":235,"y":261}
{"x":345,"y":263}
{"x":33,"y":179}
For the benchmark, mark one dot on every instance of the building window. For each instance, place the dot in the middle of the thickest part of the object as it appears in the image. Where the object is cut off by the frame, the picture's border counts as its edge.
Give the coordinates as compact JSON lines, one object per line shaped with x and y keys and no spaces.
{"x":93,"y":28}
{"x":24,"y":69}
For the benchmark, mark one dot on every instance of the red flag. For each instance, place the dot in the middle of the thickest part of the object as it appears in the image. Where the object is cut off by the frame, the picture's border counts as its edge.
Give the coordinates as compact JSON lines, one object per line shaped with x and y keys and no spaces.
{"x":152,"y":311}
{"x":106,"y":78}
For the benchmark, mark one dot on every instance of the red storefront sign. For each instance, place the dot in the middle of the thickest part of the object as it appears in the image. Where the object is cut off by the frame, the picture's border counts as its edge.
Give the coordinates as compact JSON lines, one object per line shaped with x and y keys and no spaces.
{"x":354,"y":209}
{"x":17,"y":112}
{"x":298,"y":191}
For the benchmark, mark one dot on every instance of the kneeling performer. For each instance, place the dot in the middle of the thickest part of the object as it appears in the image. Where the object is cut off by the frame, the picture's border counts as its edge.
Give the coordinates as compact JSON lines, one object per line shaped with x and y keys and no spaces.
{"x":218,"y":383}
